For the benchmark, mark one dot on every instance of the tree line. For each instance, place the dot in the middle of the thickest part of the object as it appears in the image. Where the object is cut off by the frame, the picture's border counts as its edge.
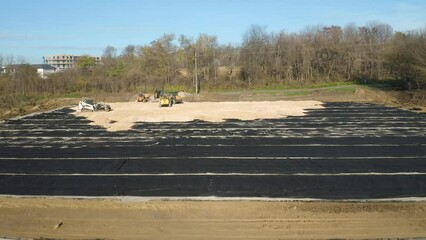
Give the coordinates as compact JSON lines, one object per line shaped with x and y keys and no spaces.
{"x":317,"y":54}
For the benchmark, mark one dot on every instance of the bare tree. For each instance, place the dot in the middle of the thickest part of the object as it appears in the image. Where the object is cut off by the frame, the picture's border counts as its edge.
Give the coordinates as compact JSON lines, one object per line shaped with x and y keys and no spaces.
{"x":206,"y":46}
{"x":407,"y":58}
{"x":254,"y":53}
{"x":129,"y":53}
{"x":10,"y":59}
{"x":109,"y":52}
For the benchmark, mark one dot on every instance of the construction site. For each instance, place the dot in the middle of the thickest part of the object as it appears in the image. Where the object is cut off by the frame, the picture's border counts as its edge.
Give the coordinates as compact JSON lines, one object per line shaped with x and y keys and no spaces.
{"x":184,"y":166}
{"x":213,"y":120}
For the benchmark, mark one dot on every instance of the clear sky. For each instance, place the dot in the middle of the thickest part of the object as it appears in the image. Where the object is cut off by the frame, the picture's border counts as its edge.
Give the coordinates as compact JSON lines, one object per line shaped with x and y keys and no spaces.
{"x":31,"y":29}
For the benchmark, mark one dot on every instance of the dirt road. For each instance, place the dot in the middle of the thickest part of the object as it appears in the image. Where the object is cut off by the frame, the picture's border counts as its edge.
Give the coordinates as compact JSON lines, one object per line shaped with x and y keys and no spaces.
{"x":129,"y":219}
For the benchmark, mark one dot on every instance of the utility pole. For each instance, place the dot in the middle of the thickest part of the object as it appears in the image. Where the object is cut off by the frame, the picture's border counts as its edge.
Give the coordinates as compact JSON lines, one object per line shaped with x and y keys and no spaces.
{"x":196,"y":73}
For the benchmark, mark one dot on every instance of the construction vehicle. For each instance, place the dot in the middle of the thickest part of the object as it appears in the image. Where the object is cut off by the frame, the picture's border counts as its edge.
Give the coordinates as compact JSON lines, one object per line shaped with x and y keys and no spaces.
{"x":158,"y":93}
{"x":165,"y":100}
{"x":142,"y":97}
{"x":88,"y":104}
{"x":102,"y":106}
{"x":176,"y":98}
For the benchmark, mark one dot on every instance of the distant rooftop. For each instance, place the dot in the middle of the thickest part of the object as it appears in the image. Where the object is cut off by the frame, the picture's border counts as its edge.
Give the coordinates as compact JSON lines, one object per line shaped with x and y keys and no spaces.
{"x":38,"y":66}
{"x":44,"y":66}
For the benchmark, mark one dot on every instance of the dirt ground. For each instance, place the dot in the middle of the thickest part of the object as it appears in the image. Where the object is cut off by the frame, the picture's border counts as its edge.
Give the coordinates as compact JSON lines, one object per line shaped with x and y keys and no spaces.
{"x":56,"y":218}
{"x":124,"y":115}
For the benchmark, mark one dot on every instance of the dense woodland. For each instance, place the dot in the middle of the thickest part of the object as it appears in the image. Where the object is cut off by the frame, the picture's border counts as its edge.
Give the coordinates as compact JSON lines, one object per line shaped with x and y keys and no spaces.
{"x":315,"y":55}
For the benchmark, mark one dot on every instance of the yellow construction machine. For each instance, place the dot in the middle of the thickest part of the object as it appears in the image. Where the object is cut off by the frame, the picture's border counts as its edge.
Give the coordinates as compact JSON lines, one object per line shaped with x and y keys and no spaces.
{"x":168,"y":99}
{"x":165,"y":100}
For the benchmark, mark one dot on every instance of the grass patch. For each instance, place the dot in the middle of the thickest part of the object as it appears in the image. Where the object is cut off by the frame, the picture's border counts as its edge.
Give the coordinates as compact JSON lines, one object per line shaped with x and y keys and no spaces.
{"x":308,"y":90}
{"x":69,"y":95}
{"x":342,"y":89}
{"x":287,"y":92}
{"x":296,"y":93}
{"x":278,"y":87}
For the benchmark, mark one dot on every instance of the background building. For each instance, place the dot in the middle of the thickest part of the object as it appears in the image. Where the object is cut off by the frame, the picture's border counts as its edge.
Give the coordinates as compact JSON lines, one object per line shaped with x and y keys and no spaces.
{"x":65,"y":61}
{"x":43,"y":70}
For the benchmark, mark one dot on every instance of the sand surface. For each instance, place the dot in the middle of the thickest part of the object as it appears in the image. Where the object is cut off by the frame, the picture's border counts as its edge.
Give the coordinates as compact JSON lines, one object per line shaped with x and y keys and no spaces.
{"x":125,"y":114}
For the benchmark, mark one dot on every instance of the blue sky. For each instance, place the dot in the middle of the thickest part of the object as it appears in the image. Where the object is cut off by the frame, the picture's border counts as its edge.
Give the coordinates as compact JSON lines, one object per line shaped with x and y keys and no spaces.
{"x":30,"y":29}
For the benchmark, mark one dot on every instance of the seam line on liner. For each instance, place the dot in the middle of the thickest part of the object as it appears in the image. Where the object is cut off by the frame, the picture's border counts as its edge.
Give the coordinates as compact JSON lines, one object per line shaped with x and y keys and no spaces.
{"x":214,"y":157}
{"x":215,"y":174}
{"x":150,"y":144}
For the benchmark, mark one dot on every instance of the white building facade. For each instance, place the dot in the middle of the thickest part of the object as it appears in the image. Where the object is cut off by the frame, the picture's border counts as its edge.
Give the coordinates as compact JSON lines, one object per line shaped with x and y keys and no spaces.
{"x":65,"y":61}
